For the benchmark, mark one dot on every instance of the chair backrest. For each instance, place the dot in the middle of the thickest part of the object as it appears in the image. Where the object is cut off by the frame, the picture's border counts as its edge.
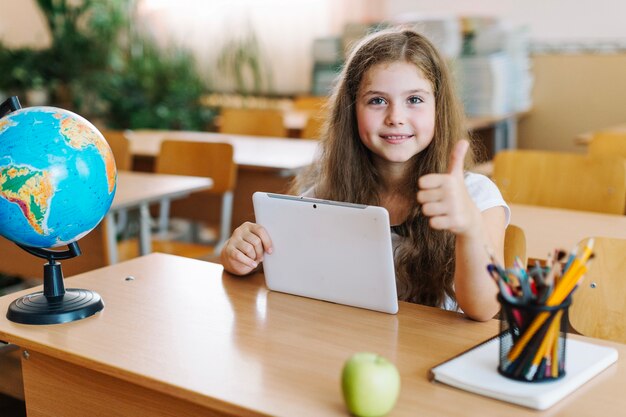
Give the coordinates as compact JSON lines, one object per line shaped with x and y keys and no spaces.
{"x":313,"y":127}
{"x":564,"y":180}
{"x":598,"y":308}
{"x":315,"y":107}
{"x":514,"y":245}
{"x":310,"y":103}
{"x":205,"y":159}
{"x":255,"y":122}
{"x":120,"y":146}
{"x":608,"y":143}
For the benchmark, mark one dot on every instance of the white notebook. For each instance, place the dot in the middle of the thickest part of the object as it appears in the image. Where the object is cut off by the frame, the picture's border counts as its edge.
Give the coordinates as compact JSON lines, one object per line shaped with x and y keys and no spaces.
{"x":476,"y":370}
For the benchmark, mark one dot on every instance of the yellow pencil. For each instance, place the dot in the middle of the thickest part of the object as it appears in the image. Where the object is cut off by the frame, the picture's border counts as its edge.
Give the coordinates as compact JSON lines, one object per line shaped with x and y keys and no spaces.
{"x":555,"y":353}
{"x":544,"y":347}
{"x":565,"y":286}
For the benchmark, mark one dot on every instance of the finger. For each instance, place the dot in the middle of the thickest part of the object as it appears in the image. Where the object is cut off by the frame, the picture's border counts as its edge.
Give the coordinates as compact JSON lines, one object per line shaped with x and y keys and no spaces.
{"x":430,"y":195}
{"x":440,"y":222}
{"x":240,"y":257}
{"x":434,"y":209}
{"x":262,"y":234}
{"x":251,"y":249}
{"x":430,"y":181}
{"x":256,"y":247}
{"x":457,"y":158}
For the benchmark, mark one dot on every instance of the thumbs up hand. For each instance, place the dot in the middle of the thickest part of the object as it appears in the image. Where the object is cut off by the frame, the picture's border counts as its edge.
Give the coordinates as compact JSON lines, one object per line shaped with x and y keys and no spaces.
{"x":445,"y":200}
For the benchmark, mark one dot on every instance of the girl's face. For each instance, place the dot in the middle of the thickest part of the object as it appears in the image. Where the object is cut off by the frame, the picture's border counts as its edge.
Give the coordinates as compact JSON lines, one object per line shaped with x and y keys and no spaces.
{"x":395,"y":111}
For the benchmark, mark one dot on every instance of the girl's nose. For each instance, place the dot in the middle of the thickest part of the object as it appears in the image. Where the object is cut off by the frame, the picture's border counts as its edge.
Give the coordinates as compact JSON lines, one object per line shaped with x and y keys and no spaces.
{"x":395,"y":116}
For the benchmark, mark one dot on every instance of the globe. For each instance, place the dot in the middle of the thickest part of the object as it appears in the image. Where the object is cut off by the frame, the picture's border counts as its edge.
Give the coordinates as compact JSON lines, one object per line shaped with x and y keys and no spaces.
{"x":57,"y":177}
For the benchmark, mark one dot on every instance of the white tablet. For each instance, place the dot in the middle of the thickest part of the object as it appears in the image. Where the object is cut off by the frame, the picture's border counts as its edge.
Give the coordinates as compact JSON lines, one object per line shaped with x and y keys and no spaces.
{"x":327,"y":250}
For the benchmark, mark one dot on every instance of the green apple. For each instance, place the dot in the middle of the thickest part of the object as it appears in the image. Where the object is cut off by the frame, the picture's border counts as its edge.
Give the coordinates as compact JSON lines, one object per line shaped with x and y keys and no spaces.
{"x":370,"y":384}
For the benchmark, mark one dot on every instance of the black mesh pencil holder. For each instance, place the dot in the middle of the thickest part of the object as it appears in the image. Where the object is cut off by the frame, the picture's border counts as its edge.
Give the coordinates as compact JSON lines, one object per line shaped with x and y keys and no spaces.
{"x":533,"y":340}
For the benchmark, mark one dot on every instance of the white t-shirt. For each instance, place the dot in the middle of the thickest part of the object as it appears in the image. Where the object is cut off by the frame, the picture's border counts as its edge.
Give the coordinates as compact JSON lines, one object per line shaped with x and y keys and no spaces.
{"x":485,"y":195}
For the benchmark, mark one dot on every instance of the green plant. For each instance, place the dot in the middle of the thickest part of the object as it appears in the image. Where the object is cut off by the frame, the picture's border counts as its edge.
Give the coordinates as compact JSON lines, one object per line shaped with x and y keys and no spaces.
{"x":84,"y":42}
{"x":22,"y":69}
{"x":97,"y":66}
{"x":155,"y":89}
{"x":241,"y":60}
{"x":84,"y":35}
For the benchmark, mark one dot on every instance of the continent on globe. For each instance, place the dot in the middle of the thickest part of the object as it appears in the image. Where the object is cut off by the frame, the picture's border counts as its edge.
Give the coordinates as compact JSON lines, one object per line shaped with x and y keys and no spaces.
{"x":31,"y":190}
{"x":5,"y":124}
{"x":79,"y":135}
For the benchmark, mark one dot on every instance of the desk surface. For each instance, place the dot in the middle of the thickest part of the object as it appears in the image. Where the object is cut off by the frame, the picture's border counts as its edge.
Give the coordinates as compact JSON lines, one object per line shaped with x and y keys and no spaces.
{"x":548,"y":228}
{"x":135,"y":188}
{"x":185,"y":330}
{"x":250,"y":151}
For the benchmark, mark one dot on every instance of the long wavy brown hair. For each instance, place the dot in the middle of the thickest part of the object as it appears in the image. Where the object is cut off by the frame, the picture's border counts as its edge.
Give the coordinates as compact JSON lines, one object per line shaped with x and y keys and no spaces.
{"x":424,"y":260}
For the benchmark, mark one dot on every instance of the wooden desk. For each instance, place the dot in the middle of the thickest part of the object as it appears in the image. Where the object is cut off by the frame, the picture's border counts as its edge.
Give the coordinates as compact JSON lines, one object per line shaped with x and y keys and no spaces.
{"x":265,"y":163}
{"x":138,"y":190}
{"x":285,"y":156}
{"x":184,"y":338}
{"x":547,"y":228}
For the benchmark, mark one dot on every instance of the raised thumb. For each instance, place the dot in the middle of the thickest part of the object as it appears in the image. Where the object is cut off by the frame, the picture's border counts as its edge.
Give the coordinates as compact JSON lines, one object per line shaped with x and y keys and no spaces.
{"x":457,"y":157}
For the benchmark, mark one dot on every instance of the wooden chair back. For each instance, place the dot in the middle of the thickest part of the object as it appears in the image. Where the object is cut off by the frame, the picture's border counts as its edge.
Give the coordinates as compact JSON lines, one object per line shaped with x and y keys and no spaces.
{"x":314,"y":127}
{"x":254,"y":122}
{"x":120,"y":146}
{"x":310,"y":103}
{"x":598,"y":308}
{"x":608,"y":143}
{"x":514,"y":245}
{"x":315,"y":107}
{"x":564,"y":180}
{"x":201,"y":159}
{"x":206,"y":159}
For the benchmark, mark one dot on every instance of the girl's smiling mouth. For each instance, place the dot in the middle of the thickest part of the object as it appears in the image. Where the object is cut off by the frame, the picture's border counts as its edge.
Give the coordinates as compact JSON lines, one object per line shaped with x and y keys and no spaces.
{"x":396,"y":138}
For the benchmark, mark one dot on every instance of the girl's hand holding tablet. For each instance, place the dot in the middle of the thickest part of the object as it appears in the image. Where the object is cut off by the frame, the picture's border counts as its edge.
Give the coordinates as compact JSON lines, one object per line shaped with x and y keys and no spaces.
{"x":243,"y":252}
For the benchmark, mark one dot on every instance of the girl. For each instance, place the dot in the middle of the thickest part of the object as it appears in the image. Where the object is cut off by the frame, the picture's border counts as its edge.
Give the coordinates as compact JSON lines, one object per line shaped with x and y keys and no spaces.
{"x":393,"y":139}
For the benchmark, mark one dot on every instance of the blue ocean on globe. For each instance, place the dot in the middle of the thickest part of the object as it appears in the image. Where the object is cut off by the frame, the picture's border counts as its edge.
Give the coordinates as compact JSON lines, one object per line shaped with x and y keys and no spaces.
{"x":57,"y":177}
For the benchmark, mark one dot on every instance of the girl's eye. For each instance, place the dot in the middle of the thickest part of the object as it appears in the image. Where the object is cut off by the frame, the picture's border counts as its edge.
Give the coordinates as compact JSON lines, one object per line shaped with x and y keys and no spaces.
{"x":415,"y":100}
{"x":377,"y":101}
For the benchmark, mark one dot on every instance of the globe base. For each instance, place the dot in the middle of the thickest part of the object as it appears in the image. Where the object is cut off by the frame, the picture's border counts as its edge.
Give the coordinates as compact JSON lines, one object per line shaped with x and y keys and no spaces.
{"x":37,"y":308}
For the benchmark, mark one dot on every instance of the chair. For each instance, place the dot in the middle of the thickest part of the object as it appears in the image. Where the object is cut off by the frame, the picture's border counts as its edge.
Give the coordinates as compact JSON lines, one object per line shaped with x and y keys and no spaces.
{"x":564,"y":180}
{"x":514,"y":245}
{"x":121,"y":148}
{"x":598,"y":308}
{"x":608,"y":143}
{"x":310,"y":103}
{"x":313,"y":127}
{"x":315,"y":107}
{"x":254,"y":122}
{"x":207,"y":159}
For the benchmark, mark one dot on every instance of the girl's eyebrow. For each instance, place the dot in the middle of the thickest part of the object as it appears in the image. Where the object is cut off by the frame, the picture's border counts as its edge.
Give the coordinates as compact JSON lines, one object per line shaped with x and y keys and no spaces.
{"x":382,"y":93}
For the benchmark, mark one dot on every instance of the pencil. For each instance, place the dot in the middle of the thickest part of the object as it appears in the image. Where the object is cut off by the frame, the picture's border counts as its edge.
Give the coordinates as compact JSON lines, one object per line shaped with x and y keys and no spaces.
{"x":565,"y":286}
{"x":545,"y":345}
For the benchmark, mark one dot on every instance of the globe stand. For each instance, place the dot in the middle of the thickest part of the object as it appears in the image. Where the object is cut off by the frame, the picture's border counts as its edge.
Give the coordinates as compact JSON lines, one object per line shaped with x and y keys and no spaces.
{"x":54,"y":304}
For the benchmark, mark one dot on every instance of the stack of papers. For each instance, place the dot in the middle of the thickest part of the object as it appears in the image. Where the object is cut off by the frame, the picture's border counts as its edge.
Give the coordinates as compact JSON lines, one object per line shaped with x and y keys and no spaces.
{"x":495,"y":74}
{"x":484,"y":84}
